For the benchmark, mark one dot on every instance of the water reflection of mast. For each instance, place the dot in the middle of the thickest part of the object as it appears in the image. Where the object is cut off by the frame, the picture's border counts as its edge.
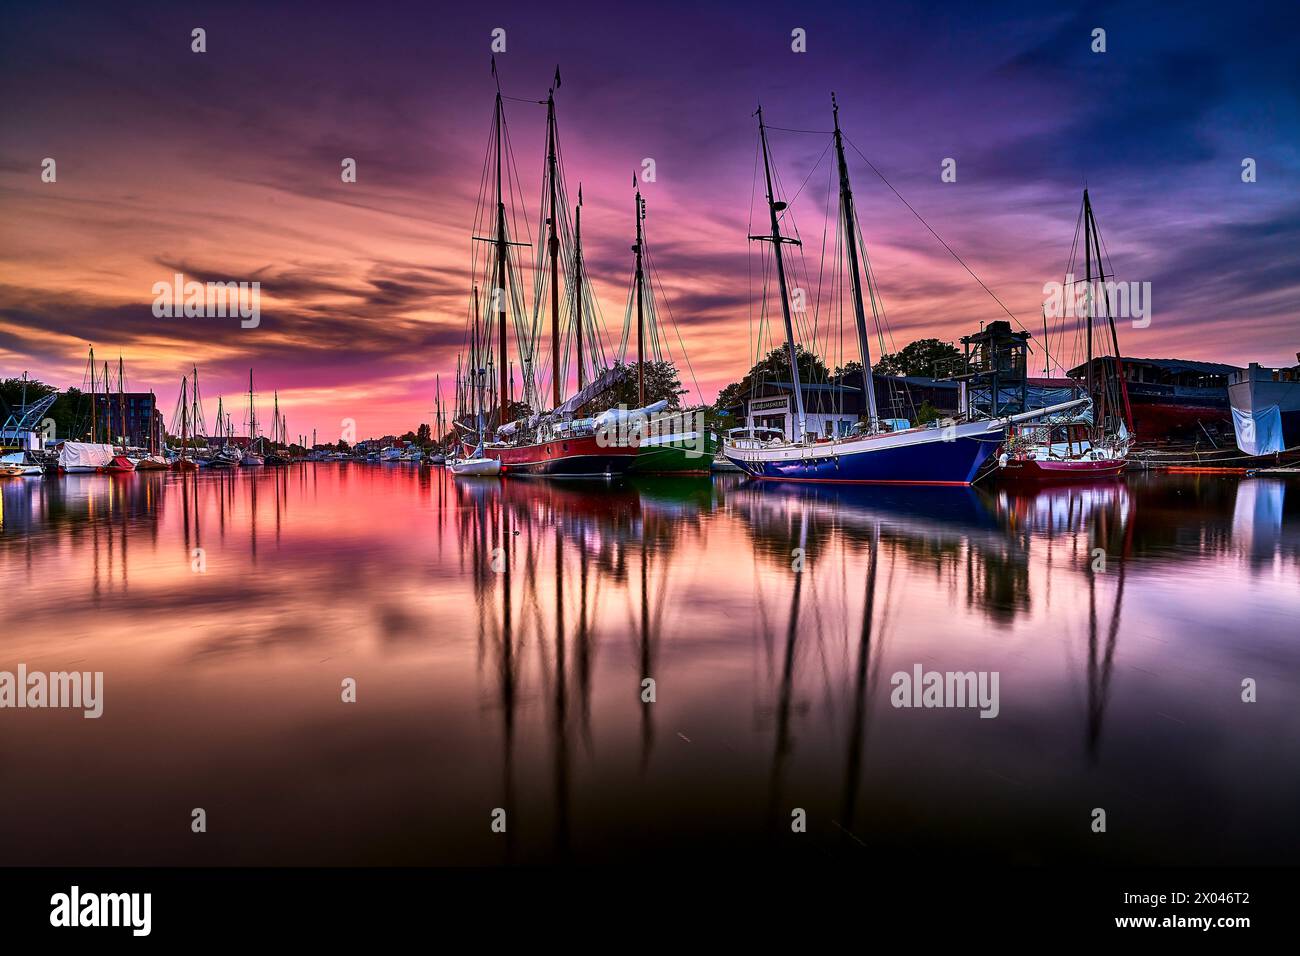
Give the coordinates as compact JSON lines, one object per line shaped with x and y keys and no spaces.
{"x":782,"y":745}
{"x":1099,"y":673}
{"x":647,"y":658}
{"x":561,"y":707}
{"x":857,"y":728}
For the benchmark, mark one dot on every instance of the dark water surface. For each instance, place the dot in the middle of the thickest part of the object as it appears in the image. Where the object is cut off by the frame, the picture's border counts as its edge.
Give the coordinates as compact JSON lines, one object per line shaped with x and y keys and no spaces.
{"x":499,"y":631}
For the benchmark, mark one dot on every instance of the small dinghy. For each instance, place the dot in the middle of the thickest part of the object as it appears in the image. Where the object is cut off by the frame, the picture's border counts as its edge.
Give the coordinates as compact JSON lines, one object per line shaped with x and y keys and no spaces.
{"x":475,"y":465}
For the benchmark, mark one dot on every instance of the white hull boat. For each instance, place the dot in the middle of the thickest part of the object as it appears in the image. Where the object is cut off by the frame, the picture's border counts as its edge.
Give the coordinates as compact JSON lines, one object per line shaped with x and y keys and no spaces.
{"x":484,"y":467}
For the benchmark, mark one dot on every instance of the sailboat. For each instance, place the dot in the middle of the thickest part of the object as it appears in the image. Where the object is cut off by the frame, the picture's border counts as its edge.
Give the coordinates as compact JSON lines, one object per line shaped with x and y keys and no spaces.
{"x":278,"y":437}
{"x":1078,"y":445}
{"x":153,"y":460}
{"x":436,"y":455}
{"x":186,"y":461}
{"x":556,"y":444}
{"x":87,"y":457}
{"x":16,"y":465}
{"x":227,"y":454}
{"x":475,"y":464}
{"x":665,"y":445}
{"x":879,"y":452}
{"x":251,"y":459}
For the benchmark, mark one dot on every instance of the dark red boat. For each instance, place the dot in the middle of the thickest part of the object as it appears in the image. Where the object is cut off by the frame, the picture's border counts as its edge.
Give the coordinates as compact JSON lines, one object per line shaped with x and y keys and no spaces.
{"x":581,"y":456}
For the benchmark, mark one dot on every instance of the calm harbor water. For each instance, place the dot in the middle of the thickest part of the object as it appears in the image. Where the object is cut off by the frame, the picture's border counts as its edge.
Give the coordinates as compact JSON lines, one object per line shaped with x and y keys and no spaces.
{"x":499,"y":632}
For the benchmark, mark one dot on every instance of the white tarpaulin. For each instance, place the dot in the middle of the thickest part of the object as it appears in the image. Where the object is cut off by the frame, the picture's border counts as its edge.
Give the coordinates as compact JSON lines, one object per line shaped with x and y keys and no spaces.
{"x":76,"y":454}
{"x":1260,"y":432}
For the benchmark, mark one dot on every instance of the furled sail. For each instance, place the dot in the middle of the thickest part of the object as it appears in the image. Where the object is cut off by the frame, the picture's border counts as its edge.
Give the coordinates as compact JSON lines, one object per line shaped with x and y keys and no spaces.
{"x":605,"y":380}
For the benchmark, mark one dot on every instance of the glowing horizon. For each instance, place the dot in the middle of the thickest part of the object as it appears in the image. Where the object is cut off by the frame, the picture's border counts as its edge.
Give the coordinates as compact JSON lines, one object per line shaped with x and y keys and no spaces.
{"x":225,"y":166}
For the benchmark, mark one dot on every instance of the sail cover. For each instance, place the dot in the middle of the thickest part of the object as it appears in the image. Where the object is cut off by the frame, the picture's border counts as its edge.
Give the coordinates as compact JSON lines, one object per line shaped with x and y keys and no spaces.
{"x":74,"y":454}
{"x":606,"y":379}
{"x":1259,"y":432}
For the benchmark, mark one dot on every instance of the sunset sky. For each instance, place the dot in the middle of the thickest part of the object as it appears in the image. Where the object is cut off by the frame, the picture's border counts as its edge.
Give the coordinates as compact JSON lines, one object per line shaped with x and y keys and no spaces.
{"x":225,"y":165}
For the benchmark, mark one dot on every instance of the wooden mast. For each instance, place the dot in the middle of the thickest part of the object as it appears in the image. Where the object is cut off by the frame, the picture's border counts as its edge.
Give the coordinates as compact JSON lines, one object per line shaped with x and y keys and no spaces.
{"x":185,"y":412}
{"x":476,"y":386}
{"x":851,"y":250}
{"x":500,"y":290}
{"x":1110,"y":318}
{"x":640,"y":295}
{"x":252,"y":414}
{"x":195,"y":399}
{"x":94,"y":415}
{"x":1087,"y":291}
{"x":776,"y":239}
{"x":121,"y":403}
{"x":577,"y":282}
{"x":553,"y":245}
{"x":108,"y":409}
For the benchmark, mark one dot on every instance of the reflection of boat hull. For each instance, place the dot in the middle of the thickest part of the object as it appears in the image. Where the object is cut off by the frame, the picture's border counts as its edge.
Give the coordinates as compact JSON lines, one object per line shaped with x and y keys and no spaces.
{"x":1030,"y":469}
{"x":916,"y":456}
{"x":583,"y":457}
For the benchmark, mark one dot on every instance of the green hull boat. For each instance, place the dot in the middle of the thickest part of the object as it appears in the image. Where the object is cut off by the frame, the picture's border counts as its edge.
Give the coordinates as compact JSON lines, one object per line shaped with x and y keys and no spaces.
{"x":682,"y":453}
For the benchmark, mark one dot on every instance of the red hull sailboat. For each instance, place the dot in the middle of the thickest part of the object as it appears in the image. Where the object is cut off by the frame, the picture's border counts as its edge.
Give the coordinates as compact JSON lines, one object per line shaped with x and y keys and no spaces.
{"x":556,"y":443}
{"x":1095,"y":444}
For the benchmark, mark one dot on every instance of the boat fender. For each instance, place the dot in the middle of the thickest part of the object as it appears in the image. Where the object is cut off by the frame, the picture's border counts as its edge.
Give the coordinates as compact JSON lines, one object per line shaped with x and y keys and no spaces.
{"x":1002,"y":460}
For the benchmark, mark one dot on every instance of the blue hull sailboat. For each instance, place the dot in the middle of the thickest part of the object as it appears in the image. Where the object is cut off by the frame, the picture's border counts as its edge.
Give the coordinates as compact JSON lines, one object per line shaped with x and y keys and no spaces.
{"x":948,"y":453}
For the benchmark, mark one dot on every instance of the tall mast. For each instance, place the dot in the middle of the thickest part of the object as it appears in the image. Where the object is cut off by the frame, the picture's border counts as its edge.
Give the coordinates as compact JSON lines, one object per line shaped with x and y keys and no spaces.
{"x":500,"y":290}
{"x":776,"y":239}
{"x":553,"y":244}
{"x":577,"y":281}
{"x":252,"y":413}
{"x":640,"y":294}
{"x":94,"y":415}
{"x":108,"y":408}
{"x":185,"y":413}
{"x":437,"y":404}
{"x":1121,"y":384}
{"x":194,"y":398}
{"x":275,"y":430}
{"x":121,"y":402}
{"x":851,"y":250}
{"x":1087,"y":285}
{"x":476,"y":387}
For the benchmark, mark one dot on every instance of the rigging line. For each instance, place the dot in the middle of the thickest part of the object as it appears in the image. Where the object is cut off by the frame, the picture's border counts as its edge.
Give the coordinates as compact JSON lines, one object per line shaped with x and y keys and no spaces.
{"x":815,"y":165}
{"x":937,"y":236}
{"x":787,"y":129}
{"x":654,"y":277}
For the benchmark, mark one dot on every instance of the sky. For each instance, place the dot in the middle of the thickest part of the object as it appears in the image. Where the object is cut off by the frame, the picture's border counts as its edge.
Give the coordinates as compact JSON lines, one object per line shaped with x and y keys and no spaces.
{"x":225,"y":165}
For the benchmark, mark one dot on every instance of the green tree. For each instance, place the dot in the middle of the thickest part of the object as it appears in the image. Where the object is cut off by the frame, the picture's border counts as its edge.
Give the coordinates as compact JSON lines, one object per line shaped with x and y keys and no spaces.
{"x":927,"y":413}
{"x":773,"y":367}
{"x":661,"y":384}
{"x":422,"y":434}
{"x":921,"y":358}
